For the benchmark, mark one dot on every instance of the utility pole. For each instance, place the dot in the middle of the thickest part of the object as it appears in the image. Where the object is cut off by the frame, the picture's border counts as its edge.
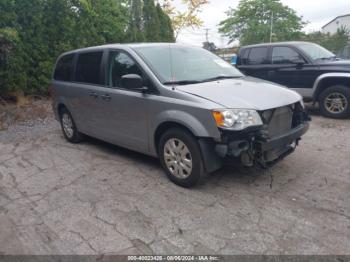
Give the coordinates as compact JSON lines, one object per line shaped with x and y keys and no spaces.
{"x":207,"y":34}
{"x":271,"y":29}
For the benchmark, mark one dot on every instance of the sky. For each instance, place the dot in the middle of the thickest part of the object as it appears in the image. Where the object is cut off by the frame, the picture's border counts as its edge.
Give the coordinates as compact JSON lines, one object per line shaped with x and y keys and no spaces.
{"x":316,"y":12}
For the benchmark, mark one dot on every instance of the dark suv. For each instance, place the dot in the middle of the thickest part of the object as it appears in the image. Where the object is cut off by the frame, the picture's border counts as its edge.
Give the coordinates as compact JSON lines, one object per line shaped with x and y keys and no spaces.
{"x":311,"y":70}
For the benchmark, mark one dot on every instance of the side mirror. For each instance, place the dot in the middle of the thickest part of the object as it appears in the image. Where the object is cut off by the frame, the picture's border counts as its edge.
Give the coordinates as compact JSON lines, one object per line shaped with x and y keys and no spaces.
{"x":299,"y":63}
{"x":133,"y":82}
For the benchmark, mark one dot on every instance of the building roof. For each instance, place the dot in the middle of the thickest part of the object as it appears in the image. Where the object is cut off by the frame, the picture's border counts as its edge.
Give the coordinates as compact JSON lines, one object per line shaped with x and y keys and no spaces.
{"x":335,"y":19}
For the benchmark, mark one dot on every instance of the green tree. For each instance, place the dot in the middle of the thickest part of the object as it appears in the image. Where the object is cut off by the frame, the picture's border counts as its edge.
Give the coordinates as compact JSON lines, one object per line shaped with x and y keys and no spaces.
{"x":166,"y":32}
{"x":335,"y":42}
{"x":250,"y":22}
{"x":34,"y":32}
{"x":135,"y":29}
{"x":151,"y":21}
{"x":187,"y":17}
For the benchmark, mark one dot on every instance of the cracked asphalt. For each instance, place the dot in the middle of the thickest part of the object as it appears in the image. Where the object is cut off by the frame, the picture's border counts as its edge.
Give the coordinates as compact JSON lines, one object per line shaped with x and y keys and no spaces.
{"x":96,"y":198}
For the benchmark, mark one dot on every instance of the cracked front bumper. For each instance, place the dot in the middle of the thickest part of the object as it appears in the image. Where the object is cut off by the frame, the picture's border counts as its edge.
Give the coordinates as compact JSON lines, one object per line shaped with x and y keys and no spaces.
{"x":255,"y":148}
{"x":269,"y":151}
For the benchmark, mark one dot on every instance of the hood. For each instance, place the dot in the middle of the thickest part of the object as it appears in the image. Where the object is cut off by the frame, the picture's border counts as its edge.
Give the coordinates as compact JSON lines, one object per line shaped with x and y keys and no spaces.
{"x":246,"y":92}
{"x":345,"y":63}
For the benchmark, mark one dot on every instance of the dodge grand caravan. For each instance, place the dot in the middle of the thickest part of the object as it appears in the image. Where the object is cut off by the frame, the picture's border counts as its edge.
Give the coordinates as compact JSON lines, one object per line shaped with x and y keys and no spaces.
{"x":182,"y":104}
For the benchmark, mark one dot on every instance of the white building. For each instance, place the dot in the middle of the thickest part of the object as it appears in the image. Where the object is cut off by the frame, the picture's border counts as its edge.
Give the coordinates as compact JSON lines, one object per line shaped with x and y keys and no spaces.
{"x":337,"y":23}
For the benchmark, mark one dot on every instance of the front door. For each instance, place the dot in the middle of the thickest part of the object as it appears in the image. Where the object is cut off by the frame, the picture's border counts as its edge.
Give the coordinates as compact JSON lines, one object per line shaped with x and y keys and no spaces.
{"x":291,"y":69}
{"x":123,"y":113}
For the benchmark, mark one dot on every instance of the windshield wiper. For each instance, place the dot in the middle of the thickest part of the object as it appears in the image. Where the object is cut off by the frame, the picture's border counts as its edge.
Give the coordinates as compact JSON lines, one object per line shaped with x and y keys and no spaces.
{"x":182,"y":82}
{"x":188,"y":82}
{"x":327,"y":58}
{"x":220,"y":77}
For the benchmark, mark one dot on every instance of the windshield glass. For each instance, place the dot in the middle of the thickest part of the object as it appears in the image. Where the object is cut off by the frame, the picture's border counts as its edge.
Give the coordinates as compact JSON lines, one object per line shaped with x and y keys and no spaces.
{"x":175,"y":64}
{"x":315,"y":51}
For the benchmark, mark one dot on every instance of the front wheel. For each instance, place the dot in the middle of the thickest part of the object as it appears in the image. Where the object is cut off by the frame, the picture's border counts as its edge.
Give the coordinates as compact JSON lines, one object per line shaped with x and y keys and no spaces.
{"x":181,"y":157}
{"x":335,"y":102}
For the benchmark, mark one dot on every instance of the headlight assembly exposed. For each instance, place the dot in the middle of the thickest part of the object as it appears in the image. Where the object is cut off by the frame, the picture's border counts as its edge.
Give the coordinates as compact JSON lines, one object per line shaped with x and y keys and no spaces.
{"x":236,"y":119}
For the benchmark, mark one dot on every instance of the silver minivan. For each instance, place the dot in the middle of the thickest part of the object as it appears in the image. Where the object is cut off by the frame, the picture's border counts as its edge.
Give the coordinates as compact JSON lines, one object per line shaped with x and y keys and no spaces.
{"x":182,"y":104}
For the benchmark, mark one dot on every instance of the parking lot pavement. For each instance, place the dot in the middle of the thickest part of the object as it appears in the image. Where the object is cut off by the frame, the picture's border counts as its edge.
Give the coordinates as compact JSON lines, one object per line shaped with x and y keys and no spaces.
{"x":59,"y":198}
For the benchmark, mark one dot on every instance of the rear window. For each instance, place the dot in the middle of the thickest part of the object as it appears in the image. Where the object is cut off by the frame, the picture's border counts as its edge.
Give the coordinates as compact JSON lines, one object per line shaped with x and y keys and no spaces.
{"x":258,"y":56}
{"x":64,"y":68}
{"x":88,"y":68}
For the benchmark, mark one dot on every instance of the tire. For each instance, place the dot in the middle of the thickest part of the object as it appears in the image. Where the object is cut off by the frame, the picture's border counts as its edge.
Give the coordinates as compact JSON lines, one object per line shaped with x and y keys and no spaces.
{"x":181,"y":172}
{"x":69,"y":128}
{"x":335,"y":102}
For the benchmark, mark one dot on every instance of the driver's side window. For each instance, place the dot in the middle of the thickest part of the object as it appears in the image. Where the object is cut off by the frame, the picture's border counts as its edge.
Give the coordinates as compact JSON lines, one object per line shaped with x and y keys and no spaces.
{"x":285,"y":55}
{"x":121,"y":64}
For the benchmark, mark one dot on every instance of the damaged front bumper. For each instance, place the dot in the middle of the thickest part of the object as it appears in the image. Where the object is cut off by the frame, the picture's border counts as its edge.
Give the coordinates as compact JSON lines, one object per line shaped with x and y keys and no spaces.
{"x":260,"y":146}
{"x":255,"y":149}
{"x":251,"y":149}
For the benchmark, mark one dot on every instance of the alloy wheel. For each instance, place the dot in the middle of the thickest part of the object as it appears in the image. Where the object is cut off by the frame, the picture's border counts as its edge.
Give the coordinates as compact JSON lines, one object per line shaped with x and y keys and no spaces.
{"x":178,"y":158}
{"x":336,"y":103}
{"x":67,"y":124}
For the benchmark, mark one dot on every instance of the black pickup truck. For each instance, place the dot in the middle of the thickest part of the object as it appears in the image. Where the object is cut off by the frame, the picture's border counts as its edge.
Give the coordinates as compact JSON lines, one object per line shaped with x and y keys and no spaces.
{"x":311,"y":70}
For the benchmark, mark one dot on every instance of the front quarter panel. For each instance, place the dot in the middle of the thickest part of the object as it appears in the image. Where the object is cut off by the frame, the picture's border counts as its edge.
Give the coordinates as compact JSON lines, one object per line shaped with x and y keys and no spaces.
{"x":190,"y":114}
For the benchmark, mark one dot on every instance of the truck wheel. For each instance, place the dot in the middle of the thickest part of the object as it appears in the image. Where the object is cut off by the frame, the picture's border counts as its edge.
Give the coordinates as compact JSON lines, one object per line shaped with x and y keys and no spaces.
{"x":69,"y":128}
{"x":335,"y":102}
{"x":181,"y":157}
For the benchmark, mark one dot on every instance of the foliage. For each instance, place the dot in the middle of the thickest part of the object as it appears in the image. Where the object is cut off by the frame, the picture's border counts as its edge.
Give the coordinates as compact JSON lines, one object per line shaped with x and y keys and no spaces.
{"x":250,"y":22}
{"x":34,"y":32}
{"x":166,"y":32}
{"x":335,"y":43}
{"x":187,"y":18}
{"x":135,"y":30}
{"x":209,"y":46}
{"x":151,"y":21}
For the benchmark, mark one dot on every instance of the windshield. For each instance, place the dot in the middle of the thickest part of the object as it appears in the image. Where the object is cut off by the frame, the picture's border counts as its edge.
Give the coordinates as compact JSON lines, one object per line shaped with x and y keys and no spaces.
{"x":316,"y":52}
{"x":184,"y":65}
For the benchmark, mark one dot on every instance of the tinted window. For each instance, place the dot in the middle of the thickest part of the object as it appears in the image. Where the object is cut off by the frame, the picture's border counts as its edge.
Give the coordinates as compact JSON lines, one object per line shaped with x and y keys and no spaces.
{"x":244,"y":57}
{"x":121,"y":64}
{"x":258,"y":56}
{"x":64,"y":67}
{"x":285,"y":55}
{"x":89,"y":68}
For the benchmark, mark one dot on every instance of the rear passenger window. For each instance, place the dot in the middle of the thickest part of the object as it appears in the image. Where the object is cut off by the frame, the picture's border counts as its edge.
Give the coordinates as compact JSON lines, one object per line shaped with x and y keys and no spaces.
{"x":258,"y":56}
{"x":88,"y":68}
{"x":285,"y":55}
{"x":244,"y":57}
{"x":64,"y":67}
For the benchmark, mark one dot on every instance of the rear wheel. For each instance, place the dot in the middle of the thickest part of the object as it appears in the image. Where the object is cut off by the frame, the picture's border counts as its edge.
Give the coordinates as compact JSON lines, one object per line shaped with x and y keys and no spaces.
{"x":335,"y":102}
{"x":181,"y":157}
{"x":69,"y":128}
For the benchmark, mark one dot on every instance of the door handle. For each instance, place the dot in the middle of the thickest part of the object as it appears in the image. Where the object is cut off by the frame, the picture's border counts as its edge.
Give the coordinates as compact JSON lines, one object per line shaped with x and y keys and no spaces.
{"x":106,"y":97}
{"x":93,"y":94}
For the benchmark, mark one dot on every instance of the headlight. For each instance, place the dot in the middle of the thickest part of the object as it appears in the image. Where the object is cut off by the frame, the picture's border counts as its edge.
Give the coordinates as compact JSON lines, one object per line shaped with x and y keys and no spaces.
{"x":236,"y":119}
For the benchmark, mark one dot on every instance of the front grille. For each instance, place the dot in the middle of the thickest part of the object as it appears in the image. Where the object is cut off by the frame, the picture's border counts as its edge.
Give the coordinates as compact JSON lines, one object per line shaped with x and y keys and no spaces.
{"x":278,"y":121}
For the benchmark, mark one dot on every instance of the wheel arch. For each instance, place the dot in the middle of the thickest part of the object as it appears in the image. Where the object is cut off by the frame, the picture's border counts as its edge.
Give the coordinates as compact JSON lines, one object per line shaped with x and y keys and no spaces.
{"x":163,"y":127}
{"x":198,"y":125}
{"x":327,"y":80}
{"x":211,"y":160}
{"x":60,"y":107}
